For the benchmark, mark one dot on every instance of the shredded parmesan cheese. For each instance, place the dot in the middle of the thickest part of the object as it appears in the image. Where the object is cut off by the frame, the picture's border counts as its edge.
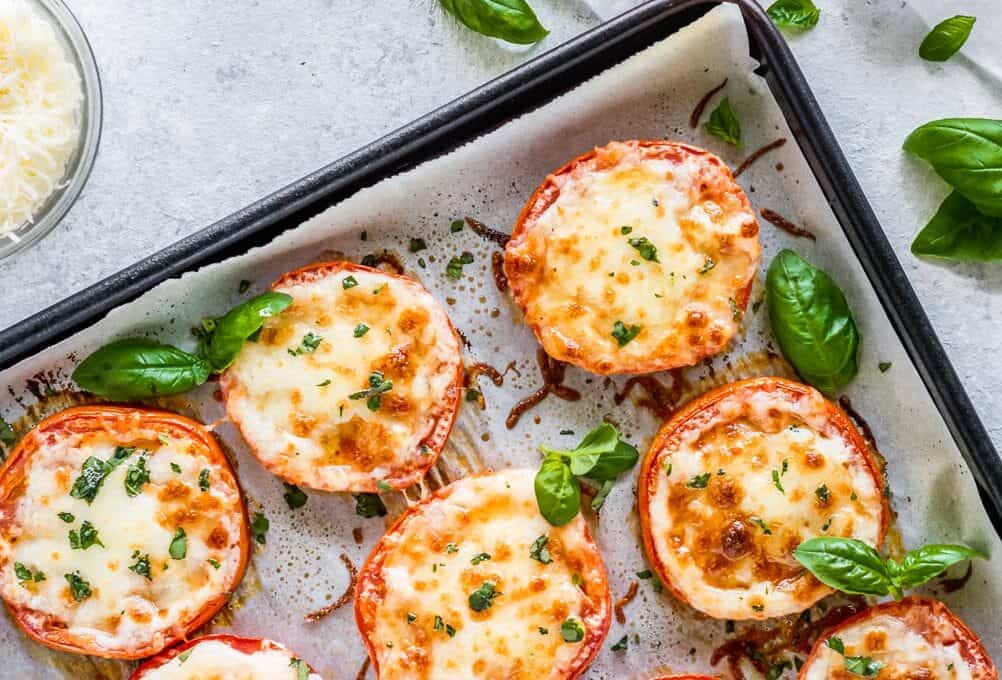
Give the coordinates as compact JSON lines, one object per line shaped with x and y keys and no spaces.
{"x":40,"y":100}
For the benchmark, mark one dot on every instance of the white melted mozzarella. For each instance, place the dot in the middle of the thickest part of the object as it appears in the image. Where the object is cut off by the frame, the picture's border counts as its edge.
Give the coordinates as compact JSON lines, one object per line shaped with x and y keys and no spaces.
{"x":216,"y":660}
{"x":295,"y":407}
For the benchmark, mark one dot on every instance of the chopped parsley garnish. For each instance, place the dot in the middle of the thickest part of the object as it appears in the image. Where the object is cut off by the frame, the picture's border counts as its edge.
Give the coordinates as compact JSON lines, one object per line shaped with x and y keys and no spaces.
{"x":302,"y":670}
{"x":374,"y":395}
{"x":645,"y":574}
{"x":85,"y":538}
{"x":482,"y":557}
{"x":884,"y":366}
{"x":67,"y":517}
{"x":776,"y":483}
{"x":175,"y":467}
{"x":417,"y":245}
{"x":26,"y":576}
{"x":623,"y":333}
{"x":369,"y":505}
{"x":384,"y":486}
{"x":136,"y":476}
{"x":858,"y":665}
{"x":360,"y":330}
{"x":183,"y":656}
{"x":699,"y":481}
{"x":94,"y":471}
{"x":454,"y":270}
{"x":325,"y":383}
{"x":544,"y":631}
{"x":822,"y":493}
{"x":378,"y":289}
{"x":571,"y":630}
{"x":457,"y":225}
{"x":482,"y":598}
{"x":307,"y":345}
{"x":761,"y":524}
{"x":439,"y":624}
{"x":626,"y":229}
{"x":735,"y":310}
{"x":349,"y":282}
{"x":178,"y":545}
{"x":294,"y":497}
{"x":758,"y":607}
{"x":622,"y":645}
{"x":539,"y":551}
{"x":141,"y":565}
{"x":708,"y":264}
{"x":215,"y":563}
{"x":79,"y":588}
{"x":259,"y":527}
{"x":646,"y":249}
{"x":203,"y":479}
{"x":451,"y":548}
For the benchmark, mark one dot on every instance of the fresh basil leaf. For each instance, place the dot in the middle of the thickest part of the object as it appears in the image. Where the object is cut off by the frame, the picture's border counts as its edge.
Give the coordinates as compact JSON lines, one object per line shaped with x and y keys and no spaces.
{"x":295,"y":497}
{"x":961,"y":233}
{"x":724,"y":123}
{"x":510,"y":20}
{"x":801,"y":14}
{"x":79,"y":588}
{"x":863,"y":665}
{"x":178,"y":545}
{"x":812,"y":322}
{"x":136,"y":476}
{"x":482,"y":598}
{"x":927,"y":562}
{"x":369,"y":505}
{"x":967,"y":153}
{"x":558,"y":492}
{"x":238,"y":324}
{"x":847,"y":565}
{"x":946,"y":38}
{"x":614,"y":463}
{"x":137,"y":368}
{"x":571,"y":630}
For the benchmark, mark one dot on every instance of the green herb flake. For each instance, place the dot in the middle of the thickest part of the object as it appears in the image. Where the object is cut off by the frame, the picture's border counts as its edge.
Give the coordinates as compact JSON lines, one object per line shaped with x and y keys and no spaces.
{"x":67,"y":517}
{"x":259,"y":528}
{"x":622,"y":645}
{"x":454,"y":270}
{"x":215,"y":563}
{"x":761,"y":524}
{"x":699,"y":481}
{"x":724,"y":124}
{"x":302,"y":669}
{"x":884,"y":366}
{"x":384,"y":486}
{"x":417,"y":245}
{"x":369,"y":505}
{"x":85,"y":537}
{"x":482,"y":557}
{"x":243,"y":286}
{"x":624,"y":230}
{"x":374,"y":395}
{"x":360,"y":330}
{"x":823,"y":493}
{"x":645,"y":574}
{"x":543,"y":631}
{"x":93,"y":472}
{"x":708,"y":264}
{"x":183,"y":656}
{"x":483,"y":597}
{"x":777,"y":483}
{"x":571,"y":630}
{"x":79,"y":588}
{"x":451,"y":548}
{"x":646,"y":249}
{"x":325,"y":383}
{"x":176,"y":468}
{"x":141,"y":565}
{"x":349,"y":282}
{"x":539,"y":551}
{"x":472,"y":394}
{"x":735,"y":309}
{"x":178,"y":544}
{"x":411,"y":617}
{"x":307,"y":345}
{"x":25,"y":575}
{"x":623,"y":333}
{"x":203,"y":479}
{"x":456,"y":226}
{"x":294,"y":497}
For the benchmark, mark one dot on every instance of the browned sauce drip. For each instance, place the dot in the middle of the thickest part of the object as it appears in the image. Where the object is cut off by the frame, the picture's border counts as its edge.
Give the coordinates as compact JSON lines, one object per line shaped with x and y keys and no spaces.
{"x":497,"y":267}
{"x":481,"y":229}
{"x":775,"y":144}
{"x":384,"y":258}
{"x":660,"y":400}
{"x":345,"y":597}
{"x":553,"y":378}
{"x":479,"y":369}
{"x":697,"y":112}
{"x":952,"y":585}
{"x":363,"y":670}
{"x":625,"y":600}
{"x":786,"y":225}
{"x":863,"y":426}
{"x":464,"y":339}
{"x":356,"y":534}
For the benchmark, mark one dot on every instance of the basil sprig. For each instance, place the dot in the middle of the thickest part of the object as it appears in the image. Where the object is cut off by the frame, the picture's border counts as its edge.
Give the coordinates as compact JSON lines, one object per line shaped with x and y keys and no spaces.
{"x":137,"y":368}
{"x":946,"y":38}
{"x":510,"y":20}
{"x":961,"y":233}
{"x":812,"y":322}
{"x":724,"y":123}
{"x":798,"y":14}
{"x":601,"y":456}
{"x":852,"y":566}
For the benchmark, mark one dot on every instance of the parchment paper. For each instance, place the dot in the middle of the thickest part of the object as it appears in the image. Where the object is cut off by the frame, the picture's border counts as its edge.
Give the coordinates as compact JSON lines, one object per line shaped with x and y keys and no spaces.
{"x":649,"y":96}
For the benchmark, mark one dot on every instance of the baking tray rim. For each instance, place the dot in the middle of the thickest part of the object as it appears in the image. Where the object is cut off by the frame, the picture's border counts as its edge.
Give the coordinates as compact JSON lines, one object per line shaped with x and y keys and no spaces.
{"x":422,"y":139}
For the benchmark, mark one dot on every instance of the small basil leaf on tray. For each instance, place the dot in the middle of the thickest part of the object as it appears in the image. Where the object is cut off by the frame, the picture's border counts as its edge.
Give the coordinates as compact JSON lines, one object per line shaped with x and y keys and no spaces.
{"x":961,"y":233}
{"x":812,"y":322}
{"x":724,"y":123}
{"x":229,"y":332}
{"x":558,"y":492}
{"x":510,"y":20}
{"x":800,"y":14}
{"x":946,"y":38}
{"x":852,"y":566}
{"x":967,"y":153}
{"x":138,"y":368}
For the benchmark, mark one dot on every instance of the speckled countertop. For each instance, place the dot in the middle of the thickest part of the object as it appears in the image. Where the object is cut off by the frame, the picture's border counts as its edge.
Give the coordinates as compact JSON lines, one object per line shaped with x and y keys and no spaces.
{"x":209,"y":106}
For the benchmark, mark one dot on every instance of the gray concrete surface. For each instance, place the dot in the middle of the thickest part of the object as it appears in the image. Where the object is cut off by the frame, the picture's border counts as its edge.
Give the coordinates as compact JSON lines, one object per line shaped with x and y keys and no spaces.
{"x":211,"y":105}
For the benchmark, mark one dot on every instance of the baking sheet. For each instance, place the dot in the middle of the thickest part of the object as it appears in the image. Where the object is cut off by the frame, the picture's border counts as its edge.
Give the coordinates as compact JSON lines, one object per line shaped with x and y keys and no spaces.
{"x":649,"y":96}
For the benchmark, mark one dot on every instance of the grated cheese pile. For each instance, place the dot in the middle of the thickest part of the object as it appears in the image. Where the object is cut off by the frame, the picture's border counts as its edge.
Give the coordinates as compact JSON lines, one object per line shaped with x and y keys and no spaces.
{"x":40,"y":99}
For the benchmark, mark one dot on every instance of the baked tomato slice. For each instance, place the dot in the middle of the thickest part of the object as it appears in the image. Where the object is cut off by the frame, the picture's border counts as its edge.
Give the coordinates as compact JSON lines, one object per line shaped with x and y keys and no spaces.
{"x":355,"y":386}
{"x":635,"y":257}
{"x":737,"y":479}
{"x":226,"y":656}
{"x":122,"y":530}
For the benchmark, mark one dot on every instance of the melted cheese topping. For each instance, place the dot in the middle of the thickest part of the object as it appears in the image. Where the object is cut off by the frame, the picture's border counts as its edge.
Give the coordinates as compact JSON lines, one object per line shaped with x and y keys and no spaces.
{"x":583,"y":274}
{"x":416,"y":612}
{"x":751,"y":478}
{"x":904,"y":650}
{"x":124,"y":610}
{"x":216,"y":660}
{"x":297,"y":411}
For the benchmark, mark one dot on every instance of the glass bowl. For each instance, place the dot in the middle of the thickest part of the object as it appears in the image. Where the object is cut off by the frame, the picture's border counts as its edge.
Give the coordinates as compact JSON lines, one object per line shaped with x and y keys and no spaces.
{"x":78,"y":168}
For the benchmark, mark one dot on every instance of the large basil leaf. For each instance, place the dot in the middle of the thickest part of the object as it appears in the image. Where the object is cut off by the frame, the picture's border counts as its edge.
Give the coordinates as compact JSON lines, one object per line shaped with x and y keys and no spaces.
{"x":928,"y":562}
{"x":136,"y":368}
{"x":558,"y":492}
{"x":967,"y":153}
{"x":614,"y":463}
{"x":232,"y":330}
{"x":959,"y":231}
{"x":946,"y":38}
{"x":510,"y":20}
{"x":801,"y":14}
{"x":812,"y":322}
{"x":847,"y":565}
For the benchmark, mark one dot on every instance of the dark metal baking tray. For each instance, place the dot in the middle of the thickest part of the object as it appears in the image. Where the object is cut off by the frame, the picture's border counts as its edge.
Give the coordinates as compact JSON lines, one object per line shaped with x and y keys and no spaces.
{"x":521,"y":90}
